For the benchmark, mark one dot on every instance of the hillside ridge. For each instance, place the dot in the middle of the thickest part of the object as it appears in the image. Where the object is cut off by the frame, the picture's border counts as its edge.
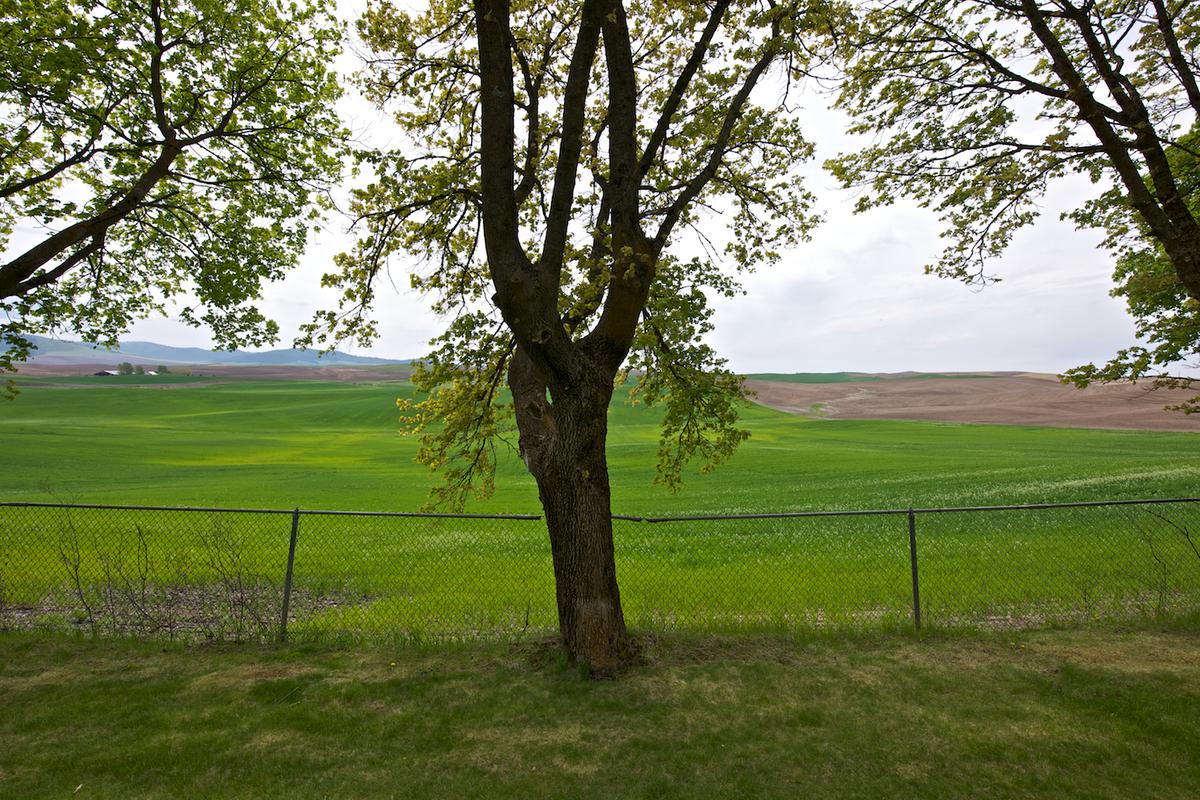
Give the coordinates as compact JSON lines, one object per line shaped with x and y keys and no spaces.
{"x":64,"y":351}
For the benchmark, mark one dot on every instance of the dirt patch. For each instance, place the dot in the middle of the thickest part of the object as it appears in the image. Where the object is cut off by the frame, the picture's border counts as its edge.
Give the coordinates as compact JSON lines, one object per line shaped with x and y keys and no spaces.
{"x":1009,"y":399}
{"x":300,"y":373}
{"x":248,"y":611}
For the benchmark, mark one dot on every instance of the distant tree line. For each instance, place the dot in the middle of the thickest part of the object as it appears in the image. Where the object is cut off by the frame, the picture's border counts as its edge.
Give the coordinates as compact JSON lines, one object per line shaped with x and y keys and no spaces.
{"x":127,"y":368}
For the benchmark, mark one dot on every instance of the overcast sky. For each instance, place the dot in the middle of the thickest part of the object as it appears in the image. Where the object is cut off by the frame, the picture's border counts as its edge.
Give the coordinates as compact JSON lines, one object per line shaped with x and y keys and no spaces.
{"x":854,"y":298}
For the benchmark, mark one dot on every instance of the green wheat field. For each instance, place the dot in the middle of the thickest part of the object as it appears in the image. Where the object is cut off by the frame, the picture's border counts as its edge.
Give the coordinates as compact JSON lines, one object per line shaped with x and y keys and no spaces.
{"x":337,"y":446}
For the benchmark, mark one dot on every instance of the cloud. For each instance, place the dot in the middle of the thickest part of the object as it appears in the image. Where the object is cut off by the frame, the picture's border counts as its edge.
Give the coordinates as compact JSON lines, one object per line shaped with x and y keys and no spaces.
{"x":856,"y":298}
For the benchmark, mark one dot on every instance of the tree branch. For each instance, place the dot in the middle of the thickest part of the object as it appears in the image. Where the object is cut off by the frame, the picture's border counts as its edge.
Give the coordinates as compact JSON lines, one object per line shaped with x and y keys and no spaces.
{"x":23,"y":266}
{"x":679,"y":90}
{"x":574,"y":106}
{"x":732,"y":115}
{"x":1178,"y":61}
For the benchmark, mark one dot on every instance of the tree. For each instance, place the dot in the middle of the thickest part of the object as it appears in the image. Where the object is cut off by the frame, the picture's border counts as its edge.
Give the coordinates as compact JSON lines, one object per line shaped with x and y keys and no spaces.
{"x":138,"y":369}
{"x":125,"y":368}
{"x":554,"y":156}
{"x":161,"y":369}
{"x":1168,"y":319}
{"x":152,"y":149}
{"x":978,"y":105}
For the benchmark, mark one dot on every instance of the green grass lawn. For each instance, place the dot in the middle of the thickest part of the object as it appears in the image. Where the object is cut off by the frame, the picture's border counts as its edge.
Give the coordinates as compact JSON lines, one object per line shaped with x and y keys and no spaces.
{"x":337,"y":446}
{"x":1083,"y":714}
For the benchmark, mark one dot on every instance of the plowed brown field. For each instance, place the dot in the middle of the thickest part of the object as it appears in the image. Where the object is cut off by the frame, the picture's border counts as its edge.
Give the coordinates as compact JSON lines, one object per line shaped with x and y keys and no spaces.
{"x":1021,"y":398}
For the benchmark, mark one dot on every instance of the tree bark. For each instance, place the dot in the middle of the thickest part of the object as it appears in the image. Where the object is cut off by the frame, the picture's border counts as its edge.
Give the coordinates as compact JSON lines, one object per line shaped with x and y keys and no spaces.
{"x":563,"y":432}
{"x":561,"y":388}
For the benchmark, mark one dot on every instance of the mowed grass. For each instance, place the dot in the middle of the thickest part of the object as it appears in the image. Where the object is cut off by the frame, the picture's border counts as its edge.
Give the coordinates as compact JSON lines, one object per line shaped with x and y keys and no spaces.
{"x":338,"y":446}
{"x":1085,"y":714}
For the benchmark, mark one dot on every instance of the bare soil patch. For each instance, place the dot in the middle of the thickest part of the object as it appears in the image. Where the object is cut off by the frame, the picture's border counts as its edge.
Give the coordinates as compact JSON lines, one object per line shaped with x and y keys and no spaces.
{"x":1003,"y":398}
{"x":302,"y":373}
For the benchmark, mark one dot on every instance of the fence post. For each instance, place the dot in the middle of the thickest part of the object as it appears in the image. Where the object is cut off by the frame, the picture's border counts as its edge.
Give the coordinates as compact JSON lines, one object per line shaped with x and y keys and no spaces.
{"x":287,"y":580}
{"x":912,"y":557}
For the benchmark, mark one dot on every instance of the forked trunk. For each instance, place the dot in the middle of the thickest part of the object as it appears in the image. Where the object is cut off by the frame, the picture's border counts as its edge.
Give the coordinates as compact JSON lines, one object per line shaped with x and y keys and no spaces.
{"x":563,"y":445}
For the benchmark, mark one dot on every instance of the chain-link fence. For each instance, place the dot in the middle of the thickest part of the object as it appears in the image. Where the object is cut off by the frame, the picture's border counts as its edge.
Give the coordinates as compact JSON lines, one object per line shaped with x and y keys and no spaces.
{"x":228,"y":574}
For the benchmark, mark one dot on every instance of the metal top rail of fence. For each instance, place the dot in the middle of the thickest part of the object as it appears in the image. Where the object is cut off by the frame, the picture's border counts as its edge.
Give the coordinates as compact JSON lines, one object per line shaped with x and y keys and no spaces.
{"x":851,"y":512}
{"x":259,"y":573}
{"x":230,"y":510}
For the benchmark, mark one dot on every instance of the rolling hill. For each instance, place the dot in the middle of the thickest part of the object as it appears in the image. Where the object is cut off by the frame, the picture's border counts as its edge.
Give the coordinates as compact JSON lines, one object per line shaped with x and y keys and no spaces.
{"x":61,"y":351}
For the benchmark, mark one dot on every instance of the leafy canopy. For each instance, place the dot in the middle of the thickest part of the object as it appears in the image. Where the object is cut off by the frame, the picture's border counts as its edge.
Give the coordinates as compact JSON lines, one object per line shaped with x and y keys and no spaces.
{"x":717,"y":143}
{"x":1167,"y":317}
{"x":976,"y":106}
{"x":157,"y":149}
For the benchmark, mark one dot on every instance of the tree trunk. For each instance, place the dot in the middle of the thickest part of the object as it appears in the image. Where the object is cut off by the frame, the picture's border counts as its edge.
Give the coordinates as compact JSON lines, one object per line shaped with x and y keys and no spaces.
{"x":1183,"y":252}
{"x":562,"y":442}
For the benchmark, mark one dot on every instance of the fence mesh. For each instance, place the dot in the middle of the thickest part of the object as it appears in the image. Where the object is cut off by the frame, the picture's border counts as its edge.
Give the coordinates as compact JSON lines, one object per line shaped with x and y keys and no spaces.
{"x":430,"y":578}
{"x":222,"y":574}
{"x":142,"y":571}
{"x":1027,"y":567}
{"x":756,"y":573}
